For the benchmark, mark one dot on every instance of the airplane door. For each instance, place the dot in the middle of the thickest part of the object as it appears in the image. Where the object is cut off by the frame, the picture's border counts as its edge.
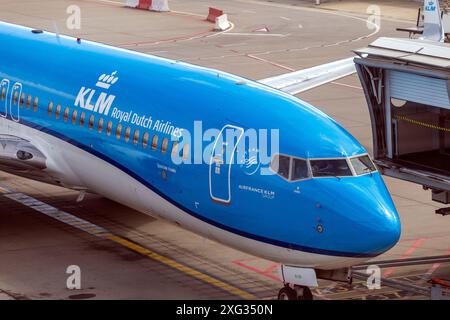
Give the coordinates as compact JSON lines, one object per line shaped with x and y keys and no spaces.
{"x":221,"y":160}
{"x":4,"y":94}
{"x":15,"y":101}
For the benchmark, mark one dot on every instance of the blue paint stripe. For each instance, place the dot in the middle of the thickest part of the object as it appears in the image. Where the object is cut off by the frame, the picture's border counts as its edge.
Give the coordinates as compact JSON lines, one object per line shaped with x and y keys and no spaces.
{"x":242,"y":233}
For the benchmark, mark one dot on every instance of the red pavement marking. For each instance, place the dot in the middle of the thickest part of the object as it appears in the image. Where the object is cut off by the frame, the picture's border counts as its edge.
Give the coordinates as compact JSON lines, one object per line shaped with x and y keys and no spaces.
{"x":408,"y":252}
{"x":435,"y":266}
{"x":266,"y":272}
{"x":174,"y":39}
{"x":426,"y":238}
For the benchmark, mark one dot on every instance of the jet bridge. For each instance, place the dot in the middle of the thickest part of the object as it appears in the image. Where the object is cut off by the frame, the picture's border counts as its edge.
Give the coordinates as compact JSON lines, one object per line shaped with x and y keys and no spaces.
{"x":407,"y":86}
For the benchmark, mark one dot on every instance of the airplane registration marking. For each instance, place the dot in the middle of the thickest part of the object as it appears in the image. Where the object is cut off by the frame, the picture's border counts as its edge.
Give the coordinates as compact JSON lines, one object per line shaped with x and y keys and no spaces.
{"x":103,"y":233}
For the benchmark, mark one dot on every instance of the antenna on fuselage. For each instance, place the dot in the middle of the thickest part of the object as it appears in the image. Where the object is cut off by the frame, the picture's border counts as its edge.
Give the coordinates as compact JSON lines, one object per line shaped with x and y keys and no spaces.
{"x":55,"y":28}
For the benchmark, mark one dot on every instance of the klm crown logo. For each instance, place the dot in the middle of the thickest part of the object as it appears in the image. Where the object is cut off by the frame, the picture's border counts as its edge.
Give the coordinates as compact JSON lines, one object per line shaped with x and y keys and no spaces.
{"x":430,"y":6}
{"x":107,"y":80}
{"x":100,"y":102}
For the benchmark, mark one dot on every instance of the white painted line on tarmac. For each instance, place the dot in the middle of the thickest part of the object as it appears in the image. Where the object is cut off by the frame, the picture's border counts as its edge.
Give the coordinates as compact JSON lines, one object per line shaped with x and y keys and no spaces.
{"x":257,"y":34}
{"x":346,"y":85}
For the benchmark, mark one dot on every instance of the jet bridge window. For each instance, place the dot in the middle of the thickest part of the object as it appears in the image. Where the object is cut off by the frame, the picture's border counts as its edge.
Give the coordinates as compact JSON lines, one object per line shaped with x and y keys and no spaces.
{"x":420,"y":137}
{"x":362,"y":165}
{"x":330,"y":168}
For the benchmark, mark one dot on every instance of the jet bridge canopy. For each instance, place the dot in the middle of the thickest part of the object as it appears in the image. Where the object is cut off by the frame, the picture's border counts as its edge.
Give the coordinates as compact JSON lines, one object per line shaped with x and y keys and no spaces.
{"x":406,"y":83}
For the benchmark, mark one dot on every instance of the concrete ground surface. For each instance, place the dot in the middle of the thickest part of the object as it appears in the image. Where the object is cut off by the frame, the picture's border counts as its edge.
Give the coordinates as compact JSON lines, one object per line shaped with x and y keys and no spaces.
{"x":143,"y":258}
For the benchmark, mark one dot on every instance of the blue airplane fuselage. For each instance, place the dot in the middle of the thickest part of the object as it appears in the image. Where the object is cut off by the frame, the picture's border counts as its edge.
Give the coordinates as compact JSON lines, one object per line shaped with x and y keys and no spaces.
{"x":343,"y":218}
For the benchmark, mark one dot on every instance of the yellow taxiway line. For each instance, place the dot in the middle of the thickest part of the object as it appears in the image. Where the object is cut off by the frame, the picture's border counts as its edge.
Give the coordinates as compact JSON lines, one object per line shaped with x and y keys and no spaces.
{"x":101,"y":232}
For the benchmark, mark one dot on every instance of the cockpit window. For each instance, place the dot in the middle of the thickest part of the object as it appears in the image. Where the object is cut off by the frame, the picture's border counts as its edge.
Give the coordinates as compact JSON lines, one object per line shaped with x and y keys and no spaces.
{"x":330,"y":168}
{"x":281,"y":165}
{"x":299,"y":169}
{"x":363,"y":165}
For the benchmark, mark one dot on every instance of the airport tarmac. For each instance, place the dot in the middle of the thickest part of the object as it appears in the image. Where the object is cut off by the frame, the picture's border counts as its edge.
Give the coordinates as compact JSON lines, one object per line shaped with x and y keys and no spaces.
{"x":124,"y":254}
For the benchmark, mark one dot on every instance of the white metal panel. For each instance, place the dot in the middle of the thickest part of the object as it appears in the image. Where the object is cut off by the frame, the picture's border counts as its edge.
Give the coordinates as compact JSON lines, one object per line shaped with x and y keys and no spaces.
{"x":424,"y":52}
{"x":420,"y":89}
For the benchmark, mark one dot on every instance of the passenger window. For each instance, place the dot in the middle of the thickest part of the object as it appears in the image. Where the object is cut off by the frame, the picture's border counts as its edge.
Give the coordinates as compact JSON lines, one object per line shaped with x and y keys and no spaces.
{"x":109,"y":128}
{"x":66,"y":114}
{"x":330,"y":168}
{"x":22,"y":99}
{"x":185,"y":151}
{"x":35,"y":103}
{"x":100,"y":125}
{"x":127,"y":134}
{"x":363,"y":165}
{"x":91,"y":121}
{"x":174,"y":148}
{"x":136,"y":137}
{"x":164,"y":144}
{"x":58,"y":111}
{"x":74,"y":116}
{"x":281,"y":165}
{"x":299,"y":169}
{"x":82,"y":118}
{"x":3,"y":93}
{"x":50,"y":108}
{"x":154,"y":142}
{"x":15,"y":97}
{"x":118,"y":131}
{"x":145,"y":138}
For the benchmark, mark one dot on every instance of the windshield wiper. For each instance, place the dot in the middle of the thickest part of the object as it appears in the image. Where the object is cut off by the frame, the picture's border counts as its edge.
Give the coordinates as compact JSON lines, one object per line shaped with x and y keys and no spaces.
{"x":330,"y":174}
{"x":368,"y":169}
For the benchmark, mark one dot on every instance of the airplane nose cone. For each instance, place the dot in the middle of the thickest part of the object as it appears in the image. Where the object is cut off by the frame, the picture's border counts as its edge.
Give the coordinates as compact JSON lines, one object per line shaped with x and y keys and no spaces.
{"x":362,"y":215}
{"x":383,"y":229}
{"x":379,"y":227}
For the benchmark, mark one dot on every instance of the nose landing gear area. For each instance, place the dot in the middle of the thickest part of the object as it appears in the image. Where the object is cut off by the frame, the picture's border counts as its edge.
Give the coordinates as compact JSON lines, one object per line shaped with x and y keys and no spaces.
{"x":296,"y":293}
